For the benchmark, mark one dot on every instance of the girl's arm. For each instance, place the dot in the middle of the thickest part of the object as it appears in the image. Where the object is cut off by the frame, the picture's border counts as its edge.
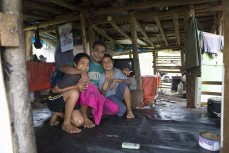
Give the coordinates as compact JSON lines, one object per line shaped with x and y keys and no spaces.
{"x":119,"y":81}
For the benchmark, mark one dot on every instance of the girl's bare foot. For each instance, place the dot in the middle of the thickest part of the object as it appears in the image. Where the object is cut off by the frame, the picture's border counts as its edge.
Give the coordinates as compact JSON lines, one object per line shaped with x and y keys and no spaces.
{"x":130,"y":114}
{"x":69,"y":128}
{"x":53,"y":120}
{"x":88,"y":123}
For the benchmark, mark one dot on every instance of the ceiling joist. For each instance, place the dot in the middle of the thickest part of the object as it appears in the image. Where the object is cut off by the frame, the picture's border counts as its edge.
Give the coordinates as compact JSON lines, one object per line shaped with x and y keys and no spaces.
{"x":161,"y":30}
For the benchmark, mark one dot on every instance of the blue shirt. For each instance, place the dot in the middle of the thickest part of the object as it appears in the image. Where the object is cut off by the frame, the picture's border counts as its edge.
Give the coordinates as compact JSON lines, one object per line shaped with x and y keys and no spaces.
{"x":118,"y":75}
{"x":94,"y":72}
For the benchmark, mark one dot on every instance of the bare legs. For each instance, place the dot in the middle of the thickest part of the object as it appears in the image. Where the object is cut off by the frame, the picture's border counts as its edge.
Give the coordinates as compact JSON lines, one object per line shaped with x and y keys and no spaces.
{"x":87,"y":122}
{"x":128,"y":103}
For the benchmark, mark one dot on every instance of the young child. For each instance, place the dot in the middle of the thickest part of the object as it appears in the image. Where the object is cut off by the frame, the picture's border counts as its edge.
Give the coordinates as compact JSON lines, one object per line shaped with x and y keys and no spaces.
{"x":64,"y":95}
{"x":113,"y":84}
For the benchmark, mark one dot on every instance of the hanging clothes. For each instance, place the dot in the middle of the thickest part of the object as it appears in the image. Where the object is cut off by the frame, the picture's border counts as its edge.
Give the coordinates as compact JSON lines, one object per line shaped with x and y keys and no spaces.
{"x":192,"y":49}
{"x":211,"y":43}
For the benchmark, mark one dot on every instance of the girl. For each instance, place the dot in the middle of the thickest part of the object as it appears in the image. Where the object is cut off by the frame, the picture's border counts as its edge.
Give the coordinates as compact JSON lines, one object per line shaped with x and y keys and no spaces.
{"x":64,"y":95}
{"x":113,"y":84}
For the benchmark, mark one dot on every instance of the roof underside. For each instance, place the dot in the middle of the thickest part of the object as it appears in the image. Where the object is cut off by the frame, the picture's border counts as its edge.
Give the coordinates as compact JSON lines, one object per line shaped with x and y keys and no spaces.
{"x":160,"y":23}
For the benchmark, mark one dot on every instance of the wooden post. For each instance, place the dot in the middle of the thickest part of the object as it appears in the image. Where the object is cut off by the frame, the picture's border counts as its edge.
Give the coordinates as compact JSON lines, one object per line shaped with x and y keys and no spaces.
{"x":154,"y":62}
{"x":190,"y":77}
{"x":130,"y":54}
{"x":225,"y":110}
{"x":17,"y":85}
{"x":28,"y":44}
{"x":137,"y":97}
{"x":83,"y":33}
{"x":91,"y":36}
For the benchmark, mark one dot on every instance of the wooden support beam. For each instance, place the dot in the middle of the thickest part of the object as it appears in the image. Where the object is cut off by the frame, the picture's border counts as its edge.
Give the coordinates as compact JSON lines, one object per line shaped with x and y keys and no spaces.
{"x":137,"y":95}
{"x":35,"y":5}
{"x":28,"y":44}
{"x":142,"y":30}
{"x":161,"y":30}
{"x":120,"y":30}
{"x":83,"y":33}
{"x":33,"y":16}
{"x":218,"y":20}
{"x":182,"y":59}
{"x":91,"y":36}
{"x":67,"y":5}
{"x":103,"y":33}
{"x":16,"y":83}
{"x":154,"y":62}
{"x":212,"y":82}
{"x":225,"y":101}
{"x":176,"y":26}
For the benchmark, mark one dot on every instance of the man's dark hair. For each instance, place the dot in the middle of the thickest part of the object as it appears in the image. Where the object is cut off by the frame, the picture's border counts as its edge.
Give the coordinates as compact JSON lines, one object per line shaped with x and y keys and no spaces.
{"x":79,"y":56}
{"x":99,"y":42}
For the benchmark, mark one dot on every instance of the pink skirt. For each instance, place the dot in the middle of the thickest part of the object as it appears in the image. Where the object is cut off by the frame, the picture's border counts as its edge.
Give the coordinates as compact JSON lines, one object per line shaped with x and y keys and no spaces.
{"x":98,"y":102}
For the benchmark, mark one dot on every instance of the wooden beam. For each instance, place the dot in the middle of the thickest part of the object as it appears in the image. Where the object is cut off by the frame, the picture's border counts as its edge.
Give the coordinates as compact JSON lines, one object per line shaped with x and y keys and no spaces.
{"x":34,"y":16}
{"x":120,"y":30}
{"x":83,"y":33}
{"x":67,"y":5}
{"x":218,"y":20}
{"x":176,"y":26}
{"x":28,"y":44}
{"x":154,"y":62}
{"x":35,"y":5}
{"x":161,"y":30}
{"x":17,"y":91}
{"x":91,"y":36}
{"x":211,"y":93}
{"x":225,"y":101}
{"x":75,"y":16}
{"x":212,"y":82}
{"x":105,"y":35}
{"x":149,"y":4}
{"x":142,"y":30}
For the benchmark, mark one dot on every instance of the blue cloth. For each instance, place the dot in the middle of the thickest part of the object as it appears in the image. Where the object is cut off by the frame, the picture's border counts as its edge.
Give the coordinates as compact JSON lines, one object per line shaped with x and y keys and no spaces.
{"x":94,"y":72}
{"x":118,"y":75}
{"x":118,"y":98}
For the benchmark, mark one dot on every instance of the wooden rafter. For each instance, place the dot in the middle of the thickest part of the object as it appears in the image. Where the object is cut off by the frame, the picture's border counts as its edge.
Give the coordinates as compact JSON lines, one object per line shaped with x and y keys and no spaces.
{"x":67,"y":5}
{"x":41,"y":7}
{"x":142,"y":30}
{"x":218,"y":20}
{"x":161,"y":30}
{"x":105,"y":35}
{"x":176,"y":25}
{"x":120,"y":30}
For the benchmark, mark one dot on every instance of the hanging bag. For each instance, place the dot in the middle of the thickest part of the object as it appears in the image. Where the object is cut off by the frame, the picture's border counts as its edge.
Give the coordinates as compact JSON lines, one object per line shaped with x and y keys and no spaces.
{"x":37,"y":43}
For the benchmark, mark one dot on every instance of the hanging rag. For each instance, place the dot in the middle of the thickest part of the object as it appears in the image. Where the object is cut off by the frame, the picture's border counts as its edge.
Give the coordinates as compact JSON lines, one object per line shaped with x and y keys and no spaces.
{"x":192,"y":49}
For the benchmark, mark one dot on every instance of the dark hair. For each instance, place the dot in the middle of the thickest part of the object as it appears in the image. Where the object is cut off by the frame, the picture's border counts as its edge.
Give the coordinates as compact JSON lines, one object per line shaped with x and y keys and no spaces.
{"x":78,"y":57}
{"x":109,"y":56}
{"x":99,"y":42}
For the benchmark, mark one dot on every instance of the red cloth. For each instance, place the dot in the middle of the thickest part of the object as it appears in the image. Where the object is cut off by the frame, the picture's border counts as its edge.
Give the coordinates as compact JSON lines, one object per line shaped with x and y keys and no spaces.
{"x":149,"y":87}
{"x":39,"y":75}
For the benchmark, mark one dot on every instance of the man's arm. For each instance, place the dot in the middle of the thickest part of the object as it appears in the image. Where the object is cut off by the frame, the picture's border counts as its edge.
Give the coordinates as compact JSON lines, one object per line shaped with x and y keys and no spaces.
{"x":67,"y":69}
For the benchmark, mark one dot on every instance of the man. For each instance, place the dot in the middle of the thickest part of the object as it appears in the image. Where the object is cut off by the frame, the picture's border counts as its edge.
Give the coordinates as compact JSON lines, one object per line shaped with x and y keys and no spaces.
{"x":95,"y":70}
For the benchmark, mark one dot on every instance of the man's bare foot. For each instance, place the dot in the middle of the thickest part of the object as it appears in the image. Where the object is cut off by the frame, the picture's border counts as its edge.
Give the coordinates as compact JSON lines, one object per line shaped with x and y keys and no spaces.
{"x":88,"y":123}
{"x":53,"y":120}
{"x":69,"y":128}
{"x":130,"y":114}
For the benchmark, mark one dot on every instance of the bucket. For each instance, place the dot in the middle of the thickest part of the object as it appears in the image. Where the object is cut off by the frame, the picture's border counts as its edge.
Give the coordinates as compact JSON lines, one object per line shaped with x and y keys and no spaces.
{"x":175,"y":81}
{"x":214,"y":106}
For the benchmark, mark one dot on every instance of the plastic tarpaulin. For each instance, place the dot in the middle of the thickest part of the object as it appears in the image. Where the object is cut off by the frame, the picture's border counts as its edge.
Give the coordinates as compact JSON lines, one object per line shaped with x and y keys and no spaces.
{"x":149,"y":87}
{"x":39,"y":75}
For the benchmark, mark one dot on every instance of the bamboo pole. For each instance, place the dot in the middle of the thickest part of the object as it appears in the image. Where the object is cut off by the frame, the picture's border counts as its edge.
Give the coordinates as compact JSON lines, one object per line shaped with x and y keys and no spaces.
{"x":83,"y":33}
{"x":17,"y":85}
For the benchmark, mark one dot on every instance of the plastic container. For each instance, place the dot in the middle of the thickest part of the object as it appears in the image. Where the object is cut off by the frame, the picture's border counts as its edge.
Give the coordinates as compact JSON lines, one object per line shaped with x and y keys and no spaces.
{"x":209,"y":141}
{"x":175,"y":81}
{"x":214,"y":106}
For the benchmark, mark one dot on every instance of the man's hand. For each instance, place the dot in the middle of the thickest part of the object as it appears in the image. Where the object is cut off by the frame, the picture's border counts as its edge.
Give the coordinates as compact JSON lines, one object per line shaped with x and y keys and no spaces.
{"x":81,"y":87}
{"x":84,"y":78}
